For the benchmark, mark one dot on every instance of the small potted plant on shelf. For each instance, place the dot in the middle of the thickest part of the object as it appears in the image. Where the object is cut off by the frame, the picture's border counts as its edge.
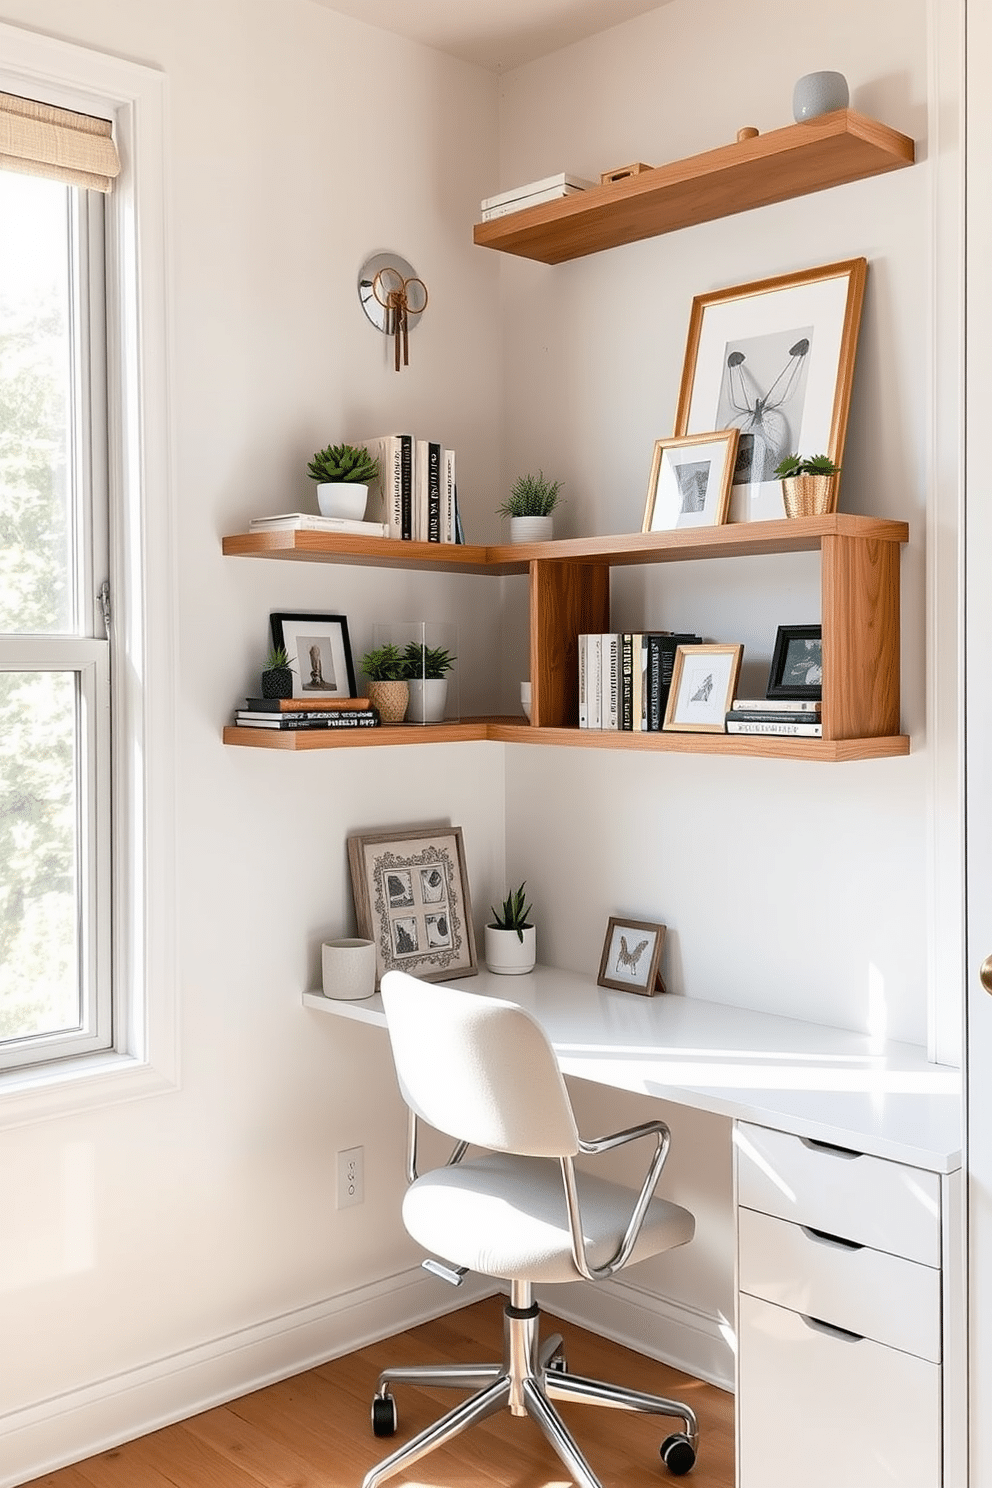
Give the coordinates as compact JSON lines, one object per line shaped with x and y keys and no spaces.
{"x":529,"y":506}
{"x":277,"y":679}
{"x":388,"y":672}
{"x":511,"y":948}
{"x":428,"y":681}
{"x":809,"y":485}
{"x":343,"y":473}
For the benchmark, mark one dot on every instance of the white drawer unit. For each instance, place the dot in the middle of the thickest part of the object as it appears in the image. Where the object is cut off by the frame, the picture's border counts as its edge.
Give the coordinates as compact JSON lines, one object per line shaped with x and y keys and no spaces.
{"x":840,"y":1317}
{"x":867,"y":1199}
{"x":820,"y":1409}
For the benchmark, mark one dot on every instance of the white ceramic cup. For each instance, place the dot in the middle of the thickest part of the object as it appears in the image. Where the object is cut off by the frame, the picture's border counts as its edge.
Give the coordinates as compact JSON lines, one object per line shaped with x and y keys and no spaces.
{"x":525,"y":699}
{"x":348,"y":968}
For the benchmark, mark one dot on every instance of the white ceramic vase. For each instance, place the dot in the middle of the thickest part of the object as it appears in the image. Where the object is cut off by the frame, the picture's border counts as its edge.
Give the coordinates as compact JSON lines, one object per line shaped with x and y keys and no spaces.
{"x":531,"y":529}
{"x":819,"y":93}
{"x":507,"y":954}
{"x":342,"y":499}
{"x":428,"y":699}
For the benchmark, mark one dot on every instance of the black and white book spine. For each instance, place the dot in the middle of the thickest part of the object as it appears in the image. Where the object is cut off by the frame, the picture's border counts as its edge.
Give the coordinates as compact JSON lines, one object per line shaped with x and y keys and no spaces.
{"x":434,"y":533}
{"x":611,"y":681}
{"x":385,"y":495}
{"x":781,"y":730}
{"x":776,"y":705}
{"x":640,"y":683}
{"x":449,"y":532}
{"x":368,"y":719}
{"x":583,"y":659}
{"x":307,"y":715}
{"x":407,"y":482}
{"x":595,"y":687}
{"x":741,"y":715}
{"x":627,"y":682}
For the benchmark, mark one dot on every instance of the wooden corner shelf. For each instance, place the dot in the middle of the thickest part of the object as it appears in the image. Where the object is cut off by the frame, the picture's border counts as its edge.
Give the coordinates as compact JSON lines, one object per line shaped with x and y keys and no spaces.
{"x":569,"y":591}
{"x":832,"y":150}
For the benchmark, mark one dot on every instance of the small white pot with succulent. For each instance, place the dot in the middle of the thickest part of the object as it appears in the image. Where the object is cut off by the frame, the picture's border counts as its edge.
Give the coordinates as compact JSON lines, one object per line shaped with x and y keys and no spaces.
{"x":428,"y":681}
{"x":529,"y":506}
{"x":343,"y":473}
{"x":511,"y":940}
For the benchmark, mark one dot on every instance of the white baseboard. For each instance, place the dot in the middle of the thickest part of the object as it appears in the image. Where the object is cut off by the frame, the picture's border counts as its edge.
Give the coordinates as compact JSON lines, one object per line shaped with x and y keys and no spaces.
{"x":678,"y":1335}
{"x":68,"y":1427}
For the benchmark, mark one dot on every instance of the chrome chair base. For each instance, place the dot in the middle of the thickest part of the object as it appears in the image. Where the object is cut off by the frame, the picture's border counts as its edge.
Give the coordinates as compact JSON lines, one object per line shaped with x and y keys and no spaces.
{"x":527,"y":1382}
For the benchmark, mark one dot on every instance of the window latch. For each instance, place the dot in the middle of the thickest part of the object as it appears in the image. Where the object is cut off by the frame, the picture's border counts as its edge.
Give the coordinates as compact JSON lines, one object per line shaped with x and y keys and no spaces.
{"x":103,"y":596}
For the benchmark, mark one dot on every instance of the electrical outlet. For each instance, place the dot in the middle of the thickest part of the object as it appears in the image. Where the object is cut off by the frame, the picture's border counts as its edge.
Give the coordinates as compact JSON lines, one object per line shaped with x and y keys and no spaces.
{"x":351,"y":1177}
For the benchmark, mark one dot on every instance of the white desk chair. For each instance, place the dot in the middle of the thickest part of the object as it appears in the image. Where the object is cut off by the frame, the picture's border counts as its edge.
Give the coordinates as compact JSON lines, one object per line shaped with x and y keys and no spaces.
{"x":483,"y":1072}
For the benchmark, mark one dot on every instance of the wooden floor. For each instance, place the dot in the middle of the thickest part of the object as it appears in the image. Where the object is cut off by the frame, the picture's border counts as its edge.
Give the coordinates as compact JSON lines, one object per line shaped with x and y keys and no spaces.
{"x":313,"y":1431}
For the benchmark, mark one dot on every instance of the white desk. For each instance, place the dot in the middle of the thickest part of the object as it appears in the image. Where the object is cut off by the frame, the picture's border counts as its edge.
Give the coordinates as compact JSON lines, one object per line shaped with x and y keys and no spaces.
{"x":816,"y":1082}
{"x":849,"y":1254}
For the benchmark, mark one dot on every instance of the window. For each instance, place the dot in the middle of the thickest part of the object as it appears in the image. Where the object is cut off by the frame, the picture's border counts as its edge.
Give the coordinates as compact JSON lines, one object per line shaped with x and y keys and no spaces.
{"x":86,"y":715}
{"x":55,"y":768}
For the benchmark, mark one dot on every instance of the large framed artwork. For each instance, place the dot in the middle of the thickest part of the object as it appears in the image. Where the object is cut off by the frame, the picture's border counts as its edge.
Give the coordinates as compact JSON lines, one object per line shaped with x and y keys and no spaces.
{"x":319,"y":652}
{"x":774,"y":360}
{"x":412,"y":899}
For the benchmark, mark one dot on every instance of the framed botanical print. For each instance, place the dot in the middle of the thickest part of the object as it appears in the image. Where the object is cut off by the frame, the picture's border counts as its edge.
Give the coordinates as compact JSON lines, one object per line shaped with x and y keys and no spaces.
{"x":412,"y":899}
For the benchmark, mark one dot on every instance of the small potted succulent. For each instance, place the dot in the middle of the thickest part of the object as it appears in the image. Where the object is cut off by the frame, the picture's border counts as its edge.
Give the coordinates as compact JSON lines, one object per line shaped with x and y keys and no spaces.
{"x":529,"y":506}
{"x":809,"y":485}
{"x":343,"y":473}
{"x":511,"y":940}
{"x":388,"y":672}
{"x":277,"y":679}
{"x":428,"y":681}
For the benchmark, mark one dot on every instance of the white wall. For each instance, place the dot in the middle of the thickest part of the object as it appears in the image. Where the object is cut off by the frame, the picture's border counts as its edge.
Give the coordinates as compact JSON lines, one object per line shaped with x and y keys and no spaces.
{"x":798,"y":889}
{"x":154,"y":1254}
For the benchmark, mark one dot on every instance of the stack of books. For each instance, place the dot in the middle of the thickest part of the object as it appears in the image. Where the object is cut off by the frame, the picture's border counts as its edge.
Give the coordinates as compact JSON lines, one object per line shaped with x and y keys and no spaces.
{"x":307,"y":713}
{"x":795,"y":716}
{"x":415,"y":496}
{"x":310,"y":522}
{"x":551,"y":188}
{"x":625,"y":678}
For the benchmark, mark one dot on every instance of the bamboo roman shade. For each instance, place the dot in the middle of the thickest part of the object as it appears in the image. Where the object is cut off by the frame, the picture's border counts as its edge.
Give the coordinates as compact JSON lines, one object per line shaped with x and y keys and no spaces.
{"x":39,"y":140}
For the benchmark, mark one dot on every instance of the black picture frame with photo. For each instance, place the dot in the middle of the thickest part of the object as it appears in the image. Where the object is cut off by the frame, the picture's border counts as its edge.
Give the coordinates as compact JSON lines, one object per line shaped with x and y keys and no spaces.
{"x":797,"y":663}
{"x":319,"y":651}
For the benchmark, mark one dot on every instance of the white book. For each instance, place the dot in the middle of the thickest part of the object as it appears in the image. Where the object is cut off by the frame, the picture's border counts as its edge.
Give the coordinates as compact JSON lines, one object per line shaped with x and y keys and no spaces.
{"x":547,"y":183}
{"x":777,"y":705}
{"x":310,"y":522}
{"x":595,"y":685}
{"x":505,"y":209}
{"x":583,"y":681}
{"x":754,"y":726}
{"x":385,"y":502}
{"x":448,"y":508}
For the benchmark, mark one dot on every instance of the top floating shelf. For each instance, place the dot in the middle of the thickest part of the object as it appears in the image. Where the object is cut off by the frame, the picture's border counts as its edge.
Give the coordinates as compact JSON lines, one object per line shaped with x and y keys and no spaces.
{"x":832,"y":150}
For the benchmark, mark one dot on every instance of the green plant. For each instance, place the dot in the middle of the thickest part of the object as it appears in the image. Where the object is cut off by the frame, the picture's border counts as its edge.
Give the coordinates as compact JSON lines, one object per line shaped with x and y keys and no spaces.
{"x":385,"y":664}
{"x":429,"y":662}
{"x":278,"y":660}
{"x":514,"y":913}
{"x":343,"y":462}
{"x":806,"y":465}
{"x":531,"y":496}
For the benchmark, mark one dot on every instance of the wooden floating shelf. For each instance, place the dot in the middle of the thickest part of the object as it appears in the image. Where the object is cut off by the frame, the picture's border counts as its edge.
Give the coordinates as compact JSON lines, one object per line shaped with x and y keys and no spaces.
{"x":513,"y":731}
{"x":832,"y":150}
{"x":732,"y":540}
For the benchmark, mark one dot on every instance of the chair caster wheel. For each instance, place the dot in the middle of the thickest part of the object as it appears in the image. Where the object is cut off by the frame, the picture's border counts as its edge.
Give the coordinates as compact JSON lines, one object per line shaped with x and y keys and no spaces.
{"x":558,"y":1364}
{"x":383,"y":1415}
{"x":677,"y":1454}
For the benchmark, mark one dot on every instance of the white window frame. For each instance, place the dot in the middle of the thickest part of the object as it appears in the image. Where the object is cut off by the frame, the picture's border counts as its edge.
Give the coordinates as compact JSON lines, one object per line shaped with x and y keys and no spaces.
{"x":142,"y":575}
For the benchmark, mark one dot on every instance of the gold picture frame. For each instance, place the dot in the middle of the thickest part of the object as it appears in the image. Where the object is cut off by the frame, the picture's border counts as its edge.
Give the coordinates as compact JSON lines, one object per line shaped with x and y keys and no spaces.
{"x":412,"y":899}
{"x":690,"y":481}
{"x":774,"y":359}
{"x":704,"y":680}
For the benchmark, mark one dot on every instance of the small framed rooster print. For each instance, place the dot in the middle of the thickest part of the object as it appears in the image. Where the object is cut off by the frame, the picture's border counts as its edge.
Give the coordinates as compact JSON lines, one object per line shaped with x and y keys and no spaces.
{"x":631,"y":958}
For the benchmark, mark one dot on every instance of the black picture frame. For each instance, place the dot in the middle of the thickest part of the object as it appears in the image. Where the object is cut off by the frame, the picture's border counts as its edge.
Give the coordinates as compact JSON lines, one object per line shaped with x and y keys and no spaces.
{"x":798,"y":649}
{"x":332,"y":673}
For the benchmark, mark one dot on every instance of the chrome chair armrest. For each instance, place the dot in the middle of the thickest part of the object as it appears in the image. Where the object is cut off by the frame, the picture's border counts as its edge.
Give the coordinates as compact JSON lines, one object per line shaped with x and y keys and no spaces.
{"x":620,"y":1257}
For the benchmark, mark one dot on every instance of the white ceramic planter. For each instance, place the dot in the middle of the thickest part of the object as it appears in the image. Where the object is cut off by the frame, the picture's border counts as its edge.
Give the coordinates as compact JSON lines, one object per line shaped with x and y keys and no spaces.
{"x":428,"y":699}
{"x":507,"y":955}
{"x":531,"y":529}
{"x":342,"y":499}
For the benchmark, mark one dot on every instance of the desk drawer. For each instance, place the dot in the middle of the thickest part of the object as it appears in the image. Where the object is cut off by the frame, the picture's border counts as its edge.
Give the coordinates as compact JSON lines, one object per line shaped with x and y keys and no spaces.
{"x":882,"y":1204}
{"x":816,"y":1410}
{"x":869,"y":1292}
